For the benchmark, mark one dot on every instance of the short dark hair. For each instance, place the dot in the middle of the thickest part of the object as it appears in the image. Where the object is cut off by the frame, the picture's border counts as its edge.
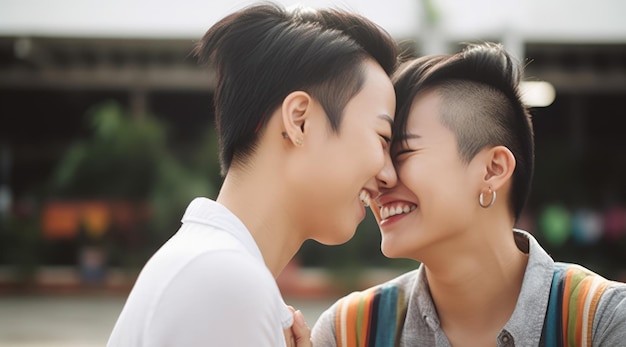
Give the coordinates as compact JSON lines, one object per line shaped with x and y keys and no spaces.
{"x":264,"y":52}
{"x":481,"y":105}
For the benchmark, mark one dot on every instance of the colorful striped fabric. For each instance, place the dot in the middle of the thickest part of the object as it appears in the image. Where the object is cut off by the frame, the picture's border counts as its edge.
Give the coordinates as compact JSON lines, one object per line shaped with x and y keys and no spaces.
{"x":573,"y":301}
{"x":375,"y":317}
{"x":372,"y":318}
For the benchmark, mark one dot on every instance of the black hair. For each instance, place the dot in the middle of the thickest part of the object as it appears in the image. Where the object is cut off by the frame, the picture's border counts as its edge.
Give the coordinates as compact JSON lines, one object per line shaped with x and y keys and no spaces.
{"x":264,"y":52}
{"x":481,"y":105}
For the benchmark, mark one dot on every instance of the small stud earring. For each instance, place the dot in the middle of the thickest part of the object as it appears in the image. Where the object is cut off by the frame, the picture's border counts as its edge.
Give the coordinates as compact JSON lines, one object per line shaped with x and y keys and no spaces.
{"x":299,"y":141}
{"x":285,"y":136}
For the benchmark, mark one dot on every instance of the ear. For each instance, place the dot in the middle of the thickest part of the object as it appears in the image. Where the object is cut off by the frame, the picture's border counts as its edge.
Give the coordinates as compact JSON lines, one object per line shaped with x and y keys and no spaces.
{"x":500,"y":164}
{"x":294,"y":113}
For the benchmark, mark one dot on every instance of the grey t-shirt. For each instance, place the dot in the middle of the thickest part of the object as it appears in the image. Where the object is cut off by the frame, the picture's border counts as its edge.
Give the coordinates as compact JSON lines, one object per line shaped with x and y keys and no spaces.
{"x":421,"y":326}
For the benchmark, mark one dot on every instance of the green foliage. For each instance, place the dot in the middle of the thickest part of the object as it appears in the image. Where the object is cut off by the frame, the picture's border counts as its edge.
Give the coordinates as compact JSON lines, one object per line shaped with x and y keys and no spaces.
{"x":178,"y":183}
{"x":24,"y":244}
{"x":127,"y":158}
{"x":173,"y":189}
{"x":121,"y":160}
{"x":431,"y":13}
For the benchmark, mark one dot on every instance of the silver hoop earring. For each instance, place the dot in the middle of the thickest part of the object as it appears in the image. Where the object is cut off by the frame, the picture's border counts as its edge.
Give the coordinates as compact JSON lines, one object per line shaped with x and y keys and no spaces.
{"x":482,"y":202}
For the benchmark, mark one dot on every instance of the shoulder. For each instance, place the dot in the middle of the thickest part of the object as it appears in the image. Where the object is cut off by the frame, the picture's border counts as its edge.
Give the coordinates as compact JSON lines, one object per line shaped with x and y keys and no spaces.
{"x":345,"y":309}
{"x":583,"y":287}
{"x":610,"y":318}
{"x":614,"y":297}
{"x":400,"y":286}
{"x":212,"y":297}
{"x":592,"y":299}
{"x":226,"y":274}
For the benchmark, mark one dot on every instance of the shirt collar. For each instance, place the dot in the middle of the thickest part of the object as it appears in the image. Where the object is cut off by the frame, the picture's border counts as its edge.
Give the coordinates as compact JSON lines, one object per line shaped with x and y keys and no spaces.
{"x":526,"y":322}
{"x":424,"y":305}
{"x":211,"y":213}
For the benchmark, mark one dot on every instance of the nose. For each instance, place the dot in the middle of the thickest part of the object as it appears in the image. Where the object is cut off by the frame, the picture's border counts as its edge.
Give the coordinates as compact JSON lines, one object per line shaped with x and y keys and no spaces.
{"x":387,"y":177}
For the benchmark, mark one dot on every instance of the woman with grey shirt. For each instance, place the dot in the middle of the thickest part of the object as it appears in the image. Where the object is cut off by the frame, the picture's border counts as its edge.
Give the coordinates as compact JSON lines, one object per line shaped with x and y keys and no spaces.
{"x":464,"y":155}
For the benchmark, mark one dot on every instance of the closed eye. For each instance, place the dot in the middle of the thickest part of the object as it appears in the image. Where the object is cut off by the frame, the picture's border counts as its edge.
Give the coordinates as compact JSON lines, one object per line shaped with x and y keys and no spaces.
{"x":387,"y":139}
{"x":401,"y":152}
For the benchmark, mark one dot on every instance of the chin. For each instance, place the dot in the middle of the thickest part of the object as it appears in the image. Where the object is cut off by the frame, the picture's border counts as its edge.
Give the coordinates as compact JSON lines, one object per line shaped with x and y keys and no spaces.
{"x":336,"y":237}
{"x":332,"y":242}
{"x":395,"y":248}
{"x":388,"y":250}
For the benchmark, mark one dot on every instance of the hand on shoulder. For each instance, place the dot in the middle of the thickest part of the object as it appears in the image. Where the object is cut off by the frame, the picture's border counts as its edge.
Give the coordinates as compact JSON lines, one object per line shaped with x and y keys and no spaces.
{"x":299,"y":335}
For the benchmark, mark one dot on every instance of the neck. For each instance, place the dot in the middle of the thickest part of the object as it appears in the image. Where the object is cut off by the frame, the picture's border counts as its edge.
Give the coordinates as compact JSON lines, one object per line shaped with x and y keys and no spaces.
{"x":256,"y":198}
{"x":476,"y":290}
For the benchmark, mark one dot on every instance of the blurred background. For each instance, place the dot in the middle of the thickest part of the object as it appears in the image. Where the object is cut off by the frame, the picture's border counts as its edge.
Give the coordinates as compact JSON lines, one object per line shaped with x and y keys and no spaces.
{"x":106,"y":134}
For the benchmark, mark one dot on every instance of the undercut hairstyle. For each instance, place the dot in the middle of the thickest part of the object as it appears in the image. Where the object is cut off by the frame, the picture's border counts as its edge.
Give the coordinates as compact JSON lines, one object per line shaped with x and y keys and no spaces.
{"x":264,"y":52}
{"x":480,"y":104}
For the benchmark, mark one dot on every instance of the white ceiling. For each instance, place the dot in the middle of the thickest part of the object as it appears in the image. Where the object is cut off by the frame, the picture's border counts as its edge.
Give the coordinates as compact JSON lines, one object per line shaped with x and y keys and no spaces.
{"x":535,"y":20}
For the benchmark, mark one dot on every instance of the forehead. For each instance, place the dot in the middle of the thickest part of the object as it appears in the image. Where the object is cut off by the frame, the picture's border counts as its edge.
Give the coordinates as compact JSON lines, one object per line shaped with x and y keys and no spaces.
{"x":376,"y":97}
{"x":425,"y":110}
{"x":424,"y":128}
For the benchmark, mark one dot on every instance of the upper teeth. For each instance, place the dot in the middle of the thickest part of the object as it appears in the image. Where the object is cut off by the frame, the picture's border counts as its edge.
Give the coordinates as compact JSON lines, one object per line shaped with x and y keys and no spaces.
{"x":365,"y":197}
{"x":389,"y":211}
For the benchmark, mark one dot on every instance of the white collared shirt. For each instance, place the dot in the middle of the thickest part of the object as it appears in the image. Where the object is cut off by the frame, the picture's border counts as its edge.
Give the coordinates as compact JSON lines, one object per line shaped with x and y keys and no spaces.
{"x":206,"y":286}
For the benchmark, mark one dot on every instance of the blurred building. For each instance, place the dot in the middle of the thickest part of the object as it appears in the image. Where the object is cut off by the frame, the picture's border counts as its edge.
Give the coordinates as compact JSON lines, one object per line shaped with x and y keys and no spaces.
{"x":50,"y":78}
{"x":47,"y":84}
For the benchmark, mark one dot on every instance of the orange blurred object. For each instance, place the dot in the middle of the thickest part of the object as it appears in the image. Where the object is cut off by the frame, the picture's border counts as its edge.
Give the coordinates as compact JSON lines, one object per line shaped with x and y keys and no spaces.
{"x":60,"y":220}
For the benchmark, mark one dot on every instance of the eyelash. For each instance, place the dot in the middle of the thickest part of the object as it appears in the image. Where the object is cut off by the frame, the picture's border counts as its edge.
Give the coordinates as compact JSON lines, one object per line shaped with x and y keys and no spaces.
{"x":387,"y":139}
{"x":401,"y":152}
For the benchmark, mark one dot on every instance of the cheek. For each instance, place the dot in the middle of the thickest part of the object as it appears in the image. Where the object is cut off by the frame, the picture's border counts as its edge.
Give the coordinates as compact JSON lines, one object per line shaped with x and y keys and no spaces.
{"x":408,"y":173}
{"x":377,"y":158}
{"x":368,"y":156}
{"x":431,"y":184}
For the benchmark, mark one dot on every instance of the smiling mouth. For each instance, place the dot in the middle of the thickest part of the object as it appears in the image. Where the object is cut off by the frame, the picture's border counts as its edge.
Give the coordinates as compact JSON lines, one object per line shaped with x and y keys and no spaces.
{"x":394,"y":210}
{"x":365,"y":197}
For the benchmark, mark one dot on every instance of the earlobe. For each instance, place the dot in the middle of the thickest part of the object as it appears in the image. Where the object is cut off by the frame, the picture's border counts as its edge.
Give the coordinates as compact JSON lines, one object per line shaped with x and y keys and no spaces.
{"x":294,"y":116}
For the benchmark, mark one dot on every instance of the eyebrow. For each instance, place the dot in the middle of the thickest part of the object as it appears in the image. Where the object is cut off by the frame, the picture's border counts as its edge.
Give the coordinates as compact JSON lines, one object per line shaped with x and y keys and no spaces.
{"x":387,"y":118}
{"x":408,"y":136}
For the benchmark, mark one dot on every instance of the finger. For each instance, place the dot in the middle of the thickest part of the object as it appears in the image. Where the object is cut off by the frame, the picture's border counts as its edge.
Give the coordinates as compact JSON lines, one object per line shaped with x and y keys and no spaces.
{"x":289,"y":338}
{"x":301,"y":331}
